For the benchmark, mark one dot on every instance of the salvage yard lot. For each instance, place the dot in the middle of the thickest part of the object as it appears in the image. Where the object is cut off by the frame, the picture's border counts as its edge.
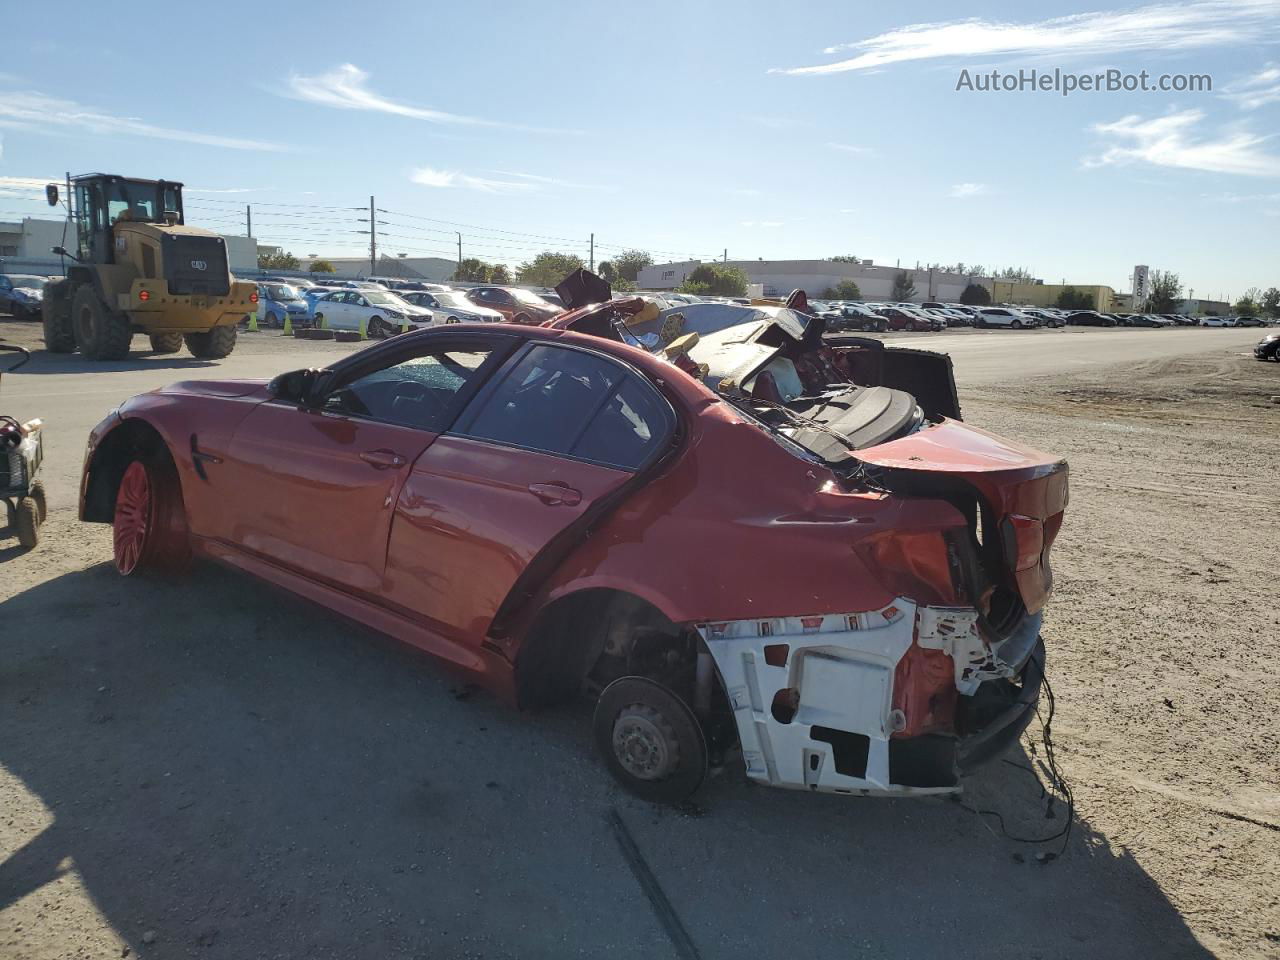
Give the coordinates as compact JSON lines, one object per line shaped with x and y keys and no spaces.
{"x":208,"y":768}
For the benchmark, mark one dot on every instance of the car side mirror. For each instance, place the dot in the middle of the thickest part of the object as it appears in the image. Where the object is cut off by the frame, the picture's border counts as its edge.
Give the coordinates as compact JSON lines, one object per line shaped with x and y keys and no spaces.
{"x":51,"y":194}
{"x":296,"y":386}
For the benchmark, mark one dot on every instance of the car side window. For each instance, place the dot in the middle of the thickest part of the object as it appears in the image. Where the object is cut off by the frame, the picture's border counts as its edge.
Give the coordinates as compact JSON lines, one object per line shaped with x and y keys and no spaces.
{"x":572,"y":403}
{"x":417,"y":392}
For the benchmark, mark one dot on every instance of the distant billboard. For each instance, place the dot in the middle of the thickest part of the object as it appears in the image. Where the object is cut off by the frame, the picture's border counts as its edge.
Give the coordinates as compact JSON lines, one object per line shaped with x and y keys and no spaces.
{"x":1141,"y":285}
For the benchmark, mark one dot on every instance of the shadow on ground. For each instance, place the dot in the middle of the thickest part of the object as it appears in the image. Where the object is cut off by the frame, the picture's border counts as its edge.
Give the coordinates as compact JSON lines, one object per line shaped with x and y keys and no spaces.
{"x":247,"y":777}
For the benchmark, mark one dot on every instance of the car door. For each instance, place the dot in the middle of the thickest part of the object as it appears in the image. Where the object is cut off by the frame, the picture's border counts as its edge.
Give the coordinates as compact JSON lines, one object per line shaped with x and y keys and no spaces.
{"x":6,"y":292}
{"x":557,"y":431}
{"x":317,"y":482}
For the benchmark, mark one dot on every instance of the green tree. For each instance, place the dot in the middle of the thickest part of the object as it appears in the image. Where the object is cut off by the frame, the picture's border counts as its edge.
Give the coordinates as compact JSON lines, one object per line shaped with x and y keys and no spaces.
{"x":716,"y":280}
{"x":499,"y":273}
{"x":1271,"y":302}
{"x":277,"y":261}
{"x":606,"y":271}
{"x":322,"y":266}
{"x":844,"y":258}
{"x":629,"y":263}
{"x":1250,"y":304}
{"x":472,"y":270}
{"x":1073,"y":299}
{"x":623,"y":285}
{"x":904,"y":288}
{"x":1166,"y":291}
{"x":975,"y":295}
{"x":1016,"y":274}
{"x":547,"y":268}
{"x":844,"y":290}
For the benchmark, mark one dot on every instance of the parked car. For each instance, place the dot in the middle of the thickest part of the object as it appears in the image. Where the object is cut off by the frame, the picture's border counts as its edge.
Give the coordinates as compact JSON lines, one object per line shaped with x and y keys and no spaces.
{"x":450,"y":306}
{"x":1250,"y":322}
{"x":21,"y":294}
{"x":1091,"y":318}
{"x":548,"y":510}
{"x":852,"y":316}
{"x":1147,"y":320}
{"x":1044,"y":316}
{"x":1268,"y":348}
{"x":515,"y":304}
{"x":1217,"y":321}
{"x":1004,"y":317}
{"x":901,"y":318}
{"x":383,"y":313}
{"x":312,"y":295}
{"x":279,"y":300}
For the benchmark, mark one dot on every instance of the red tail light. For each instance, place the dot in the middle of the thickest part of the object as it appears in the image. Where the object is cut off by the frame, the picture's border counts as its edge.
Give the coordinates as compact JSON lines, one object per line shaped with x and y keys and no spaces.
{"x":144,"y":295}
{"x":1023,"y":541}
{"x":253,"y":297}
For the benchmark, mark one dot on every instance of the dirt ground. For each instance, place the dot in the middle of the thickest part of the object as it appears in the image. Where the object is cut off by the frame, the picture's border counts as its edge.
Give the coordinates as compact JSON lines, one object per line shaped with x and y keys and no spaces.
{"x":209,"y":769}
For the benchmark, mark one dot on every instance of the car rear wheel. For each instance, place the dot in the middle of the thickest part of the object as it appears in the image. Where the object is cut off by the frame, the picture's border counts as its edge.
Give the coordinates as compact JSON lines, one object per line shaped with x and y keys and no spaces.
{"x":148,"y":531}
{"x":522,"y":318}
{"x":651,"y":741}
{"x":1017,"y":324}
{"x":379,"y":328}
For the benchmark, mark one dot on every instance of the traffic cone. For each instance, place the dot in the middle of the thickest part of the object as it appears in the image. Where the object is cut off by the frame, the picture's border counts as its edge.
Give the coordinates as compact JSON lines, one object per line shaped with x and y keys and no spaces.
{"x":324,"y":322}
{"x":287,"y":330}
{"x":364,"y":328}
{"x":404,"y":325}
{"x":253,"y":323}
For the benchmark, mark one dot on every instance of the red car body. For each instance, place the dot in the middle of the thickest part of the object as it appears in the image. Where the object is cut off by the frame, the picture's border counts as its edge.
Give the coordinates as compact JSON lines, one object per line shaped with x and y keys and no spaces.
{"x":862,"y":621}
{"x":515,"y":304}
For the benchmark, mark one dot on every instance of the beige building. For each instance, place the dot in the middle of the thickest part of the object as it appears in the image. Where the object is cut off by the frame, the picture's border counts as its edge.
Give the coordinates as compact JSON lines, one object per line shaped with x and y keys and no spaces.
{"x":1019,"y":293}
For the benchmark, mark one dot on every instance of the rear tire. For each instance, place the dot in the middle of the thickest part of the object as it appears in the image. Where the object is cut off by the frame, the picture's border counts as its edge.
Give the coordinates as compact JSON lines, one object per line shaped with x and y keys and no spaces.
{"x":1017,"y":324}
{"x":214,"y":345}
{"x":166,"y":342}
{"x":522,"y":318}
{"x":59,"y":335}
{"x":651,"y":741}
{"x":379,"y":329}
{"x":28,"y":522}
{"x":100,"y":333}
{"x":38,"y":495}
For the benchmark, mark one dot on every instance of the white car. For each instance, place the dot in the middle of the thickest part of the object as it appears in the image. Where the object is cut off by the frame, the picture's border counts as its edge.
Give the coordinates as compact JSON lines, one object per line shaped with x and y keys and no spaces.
{"x":1004,"y":317}
{"x":451,"y":306}
{"x":383,"y":313}
{"x":1217,"y":321}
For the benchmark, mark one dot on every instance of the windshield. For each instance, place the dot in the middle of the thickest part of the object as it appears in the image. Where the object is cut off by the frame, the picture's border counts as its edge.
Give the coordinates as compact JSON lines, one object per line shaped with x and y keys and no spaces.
{"x":127,"y":200}
{"x":278,"y":291}
{"x":385,"y":299}
{"x":527,"y":296}
{"x":454,"y":300}
{"x":31,"y":283}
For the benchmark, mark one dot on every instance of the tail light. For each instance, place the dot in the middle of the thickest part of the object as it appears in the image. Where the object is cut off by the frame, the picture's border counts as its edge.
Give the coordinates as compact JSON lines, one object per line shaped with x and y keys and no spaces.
{"x":144,"y":295}
{"x":253,"y":297}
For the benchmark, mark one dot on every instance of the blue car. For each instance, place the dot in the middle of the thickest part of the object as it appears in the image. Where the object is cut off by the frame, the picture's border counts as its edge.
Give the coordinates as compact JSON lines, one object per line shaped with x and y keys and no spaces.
{"x":277,"y":301}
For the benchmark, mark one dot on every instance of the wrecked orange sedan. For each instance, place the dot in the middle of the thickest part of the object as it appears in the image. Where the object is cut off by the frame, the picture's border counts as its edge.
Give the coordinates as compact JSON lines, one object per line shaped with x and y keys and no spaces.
{"x":731,"y":532}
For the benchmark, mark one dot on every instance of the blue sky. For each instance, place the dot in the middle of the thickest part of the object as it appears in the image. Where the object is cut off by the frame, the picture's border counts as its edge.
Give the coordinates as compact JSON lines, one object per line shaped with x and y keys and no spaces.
{"x":773,"y":130}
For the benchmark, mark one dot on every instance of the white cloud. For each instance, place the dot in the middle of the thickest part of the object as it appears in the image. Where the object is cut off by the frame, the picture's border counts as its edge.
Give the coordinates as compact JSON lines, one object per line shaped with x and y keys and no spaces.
{"x":962,"y":190}
{"x":1169,"y":141}
{"x":27,"y":110}
{"x":1165,"y":26}
{"x":346,"y":88}
{"x":768,"y":224}
{"x":1257,"y":91}
{"x":549,"y":181}
{"x":849,"y":148}
{"x":430,"y":177}
{"x":26,"y":188}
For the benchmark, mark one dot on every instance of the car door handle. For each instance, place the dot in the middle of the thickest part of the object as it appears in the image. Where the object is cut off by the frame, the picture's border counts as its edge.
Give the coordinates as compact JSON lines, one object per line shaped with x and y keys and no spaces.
{"x":382,"y":459}
{"x":554,"y":494}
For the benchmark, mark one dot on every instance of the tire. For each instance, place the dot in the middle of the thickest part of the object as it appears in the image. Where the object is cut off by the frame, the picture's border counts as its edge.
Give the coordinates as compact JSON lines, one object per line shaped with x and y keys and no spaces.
{"x":148,"y":529}
{"x":214,"y":345}
{"x":451,"y":320}
{"x":650,"y":739}
{"x":28,"y":522}
{"x":910,"y":326}
{"x":100,"y":333}
{"x":38,"y":495}
{"x":317,"y":322}
{"x":380,"y":329}
{"x":1017,"y":324}
{"x":59,"y":336}
{"x":166,"y":342}
{"x":981,"y":324}
{"x":883,"y":326}
{"x":522,"y":318}
{"x":1111,"y":323}
{"x":273,"y":322}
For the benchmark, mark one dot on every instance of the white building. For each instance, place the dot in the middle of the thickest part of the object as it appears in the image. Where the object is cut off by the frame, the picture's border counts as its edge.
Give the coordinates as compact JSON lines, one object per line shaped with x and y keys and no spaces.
{"x":431,"y":269}
{"x":26,"y":246}
{"x":814,"y":277}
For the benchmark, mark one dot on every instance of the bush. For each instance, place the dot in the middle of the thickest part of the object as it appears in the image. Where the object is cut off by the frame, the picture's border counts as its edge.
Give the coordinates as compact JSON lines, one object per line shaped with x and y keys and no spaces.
{"x":975,"y":295}
{"x":715,"y":280}
{"x":844,"y":290}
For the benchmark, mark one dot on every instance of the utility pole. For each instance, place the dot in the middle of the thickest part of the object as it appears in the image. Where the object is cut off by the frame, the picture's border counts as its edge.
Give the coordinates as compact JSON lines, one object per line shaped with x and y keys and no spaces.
{"x":726,"y":255}
{"x":592,"y":261}
{"x":459,"y":248}
{"x":248,"y":220}
{"x":373,"y":239}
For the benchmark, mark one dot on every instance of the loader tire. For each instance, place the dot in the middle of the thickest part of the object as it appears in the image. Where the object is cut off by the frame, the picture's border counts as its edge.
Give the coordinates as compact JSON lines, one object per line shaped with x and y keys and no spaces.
{"x":28,"y":522}
{"x":166,"y":342}
{"x":59,"y":336}
{"x":214,"y":345}
{"x":100,"y":333}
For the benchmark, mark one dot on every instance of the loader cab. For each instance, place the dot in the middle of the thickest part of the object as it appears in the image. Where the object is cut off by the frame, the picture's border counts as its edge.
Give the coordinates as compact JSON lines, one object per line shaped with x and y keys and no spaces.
{"x":103,"y":200}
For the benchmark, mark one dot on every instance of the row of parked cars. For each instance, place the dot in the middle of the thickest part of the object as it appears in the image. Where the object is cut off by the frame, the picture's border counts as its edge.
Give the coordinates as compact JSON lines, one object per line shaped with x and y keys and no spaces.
{"x":21,"y":294}
{"x":383,"y":310}
{"x":931,"y":315}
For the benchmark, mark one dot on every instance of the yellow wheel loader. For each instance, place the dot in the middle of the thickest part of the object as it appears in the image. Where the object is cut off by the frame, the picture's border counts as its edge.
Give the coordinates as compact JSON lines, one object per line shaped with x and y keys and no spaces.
{"x":139,"y":269}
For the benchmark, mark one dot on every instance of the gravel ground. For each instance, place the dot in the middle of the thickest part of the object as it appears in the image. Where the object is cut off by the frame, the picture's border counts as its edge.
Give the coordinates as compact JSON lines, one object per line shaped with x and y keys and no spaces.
{"x":207,"y":768}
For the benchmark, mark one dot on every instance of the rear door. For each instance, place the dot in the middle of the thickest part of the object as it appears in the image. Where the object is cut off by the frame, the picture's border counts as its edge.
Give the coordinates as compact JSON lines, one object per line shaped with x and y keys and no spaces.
{"x":551,"y":437}
{"x":319,"y":483}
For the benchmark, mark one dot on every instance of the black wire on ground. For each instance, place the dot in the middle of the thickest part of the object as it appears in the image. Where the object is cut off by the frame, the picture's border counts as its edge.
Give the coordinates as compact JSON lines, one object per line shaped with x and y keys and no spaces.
{"x":1056,"y":781}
